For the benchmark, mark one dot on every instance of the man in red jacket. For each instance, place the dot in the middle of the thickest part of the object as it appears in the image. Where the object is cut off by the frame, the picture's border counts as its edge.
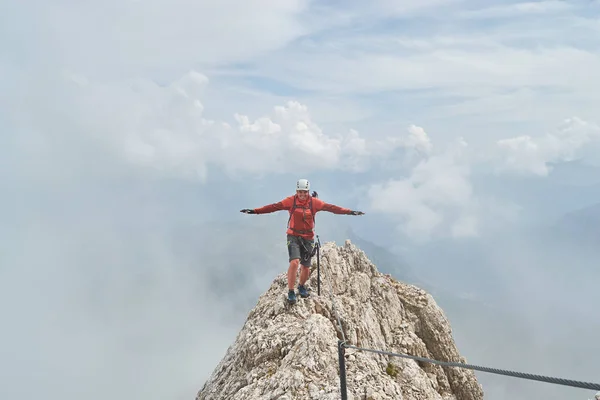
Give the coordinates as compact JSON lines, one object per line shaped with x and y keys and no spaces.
{"x":300,"y":232}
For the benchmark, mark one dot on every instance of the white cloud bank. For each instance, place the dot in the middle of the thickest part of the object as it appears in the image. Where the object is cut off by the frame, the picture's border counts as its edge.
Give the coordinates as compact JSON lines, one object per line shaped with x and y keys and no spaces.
{"x":529,"y":155}
{"x":164,"y":128}
{"x":437,"y":196}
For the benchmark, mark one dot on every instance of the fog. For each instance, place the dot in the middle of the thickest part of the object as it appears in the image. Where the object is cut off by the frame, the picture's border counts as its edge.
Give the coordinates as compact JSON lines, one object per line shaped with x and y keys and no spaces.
{"x":98,"y":302}
{"x":119,"y":284}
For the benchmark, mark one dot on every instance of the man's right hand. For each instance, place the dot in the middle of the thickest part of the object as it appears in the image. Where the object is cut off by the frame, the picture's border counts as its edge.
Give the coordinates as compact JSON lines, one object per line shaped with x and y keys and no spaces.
{"x":247,"y":211}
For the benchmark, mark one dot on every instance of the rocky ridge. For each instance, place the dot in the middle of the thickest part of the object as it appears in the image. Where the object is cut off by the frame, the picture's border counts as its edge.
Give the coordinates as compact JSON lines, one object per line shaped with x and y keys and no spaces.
{"x":288,"y":352}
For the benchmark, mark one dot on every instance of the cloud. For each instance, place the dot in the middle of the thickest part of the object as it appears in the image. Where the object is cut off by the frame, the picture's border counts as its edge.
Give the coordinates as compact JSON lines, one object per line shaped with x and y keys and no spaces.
{"x":519,"y":9}
{"x":389,"y":8}
{"x":163,"y":130}
{"x":171,"y":133}
{"x":449,"y":69}
{"x":154,"y":36}
{"x":352,"y":12}
{"x":435,"y":197}
{"x":528,"y":155}
{"x":494,"y":67}
{"x":422,"y":55}
{"x":419,"y":140}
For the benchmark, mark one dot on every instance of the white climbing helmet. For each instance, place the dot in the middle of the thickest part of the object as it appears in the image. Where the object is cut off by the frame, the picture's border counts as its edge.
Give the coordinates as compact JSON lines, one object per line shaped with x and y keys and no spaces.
{"x":302,"y":184}
{"x":597,"y":396}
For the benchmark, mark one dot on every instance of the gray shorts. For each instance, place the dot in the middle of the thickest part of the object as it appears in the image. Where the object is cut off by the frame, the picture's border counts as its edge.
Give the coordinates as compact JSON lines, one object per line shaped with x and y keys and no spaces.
{"x":300,"y":248}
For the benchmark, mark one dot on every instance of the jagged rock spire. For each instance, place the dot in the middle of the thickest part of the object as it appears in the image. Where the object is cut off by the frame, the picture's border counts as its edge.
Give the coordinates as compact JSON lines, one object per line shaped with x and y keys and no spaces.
{"x":286,"y":352}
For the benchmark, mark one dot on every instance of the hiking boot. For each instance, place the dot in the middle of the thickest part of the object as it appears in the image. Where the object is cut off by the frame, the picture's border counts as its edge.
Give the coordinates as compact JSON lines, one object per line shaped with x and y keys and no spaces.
{"x":291,"y":296}
{"x":302,"y":290}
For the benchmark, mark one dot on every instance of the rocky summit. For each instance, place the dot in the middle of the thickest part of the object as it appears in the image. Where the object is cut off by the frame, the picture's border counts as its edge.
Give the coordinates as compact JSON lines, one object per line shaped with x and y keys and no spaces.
{"x":287,"y":352}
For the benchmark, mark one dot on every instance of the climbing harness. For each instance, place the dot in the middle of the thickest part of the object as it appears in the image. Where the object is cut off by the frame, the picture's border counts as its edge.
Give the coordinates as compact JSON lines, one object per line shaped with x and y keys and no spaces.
{"x":294,"y":206}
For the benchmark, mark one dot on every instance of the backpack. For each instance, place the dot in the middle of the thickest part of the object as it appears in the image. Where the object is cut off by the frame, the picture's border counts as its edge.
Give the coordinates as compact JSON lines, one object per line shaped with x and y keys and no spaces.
{"x":310,"y":205}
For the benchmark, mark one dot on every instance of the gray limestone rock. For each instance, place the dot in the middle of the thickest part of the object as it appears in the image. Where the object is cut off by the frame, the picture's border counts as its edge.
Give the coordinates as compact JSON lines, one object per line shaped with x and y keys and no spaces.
{"x":287,"y":352}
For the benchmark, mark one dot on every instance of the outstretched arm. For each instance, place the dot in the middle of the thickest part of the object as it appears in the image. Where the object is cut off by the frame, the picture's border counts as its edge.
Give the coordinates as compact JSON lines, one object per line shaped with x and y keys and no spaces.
{"x":332,"y":208}
{"x":284,"y":204}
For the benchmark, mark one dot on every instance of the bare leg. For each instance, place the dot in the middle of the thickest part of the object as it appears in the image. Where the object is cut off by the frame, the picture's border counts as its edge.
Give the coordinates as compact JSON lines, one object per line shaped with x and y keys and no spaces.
{"x":291,"y":275}
{"x":304,"y":274}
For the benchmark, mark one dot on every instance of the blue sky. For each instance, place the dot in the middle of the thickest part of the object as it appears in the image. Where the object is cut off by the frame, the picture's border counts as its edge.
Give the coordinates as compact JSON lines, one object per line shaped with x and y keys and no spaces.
{"x":128,"y":124}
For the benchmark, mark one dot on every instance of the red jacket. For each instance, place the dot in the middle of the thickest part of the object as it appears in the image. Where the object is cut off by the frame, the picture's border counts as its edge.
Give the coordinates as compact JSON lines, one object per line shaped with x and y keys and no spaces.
{"x":301,"y":223}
